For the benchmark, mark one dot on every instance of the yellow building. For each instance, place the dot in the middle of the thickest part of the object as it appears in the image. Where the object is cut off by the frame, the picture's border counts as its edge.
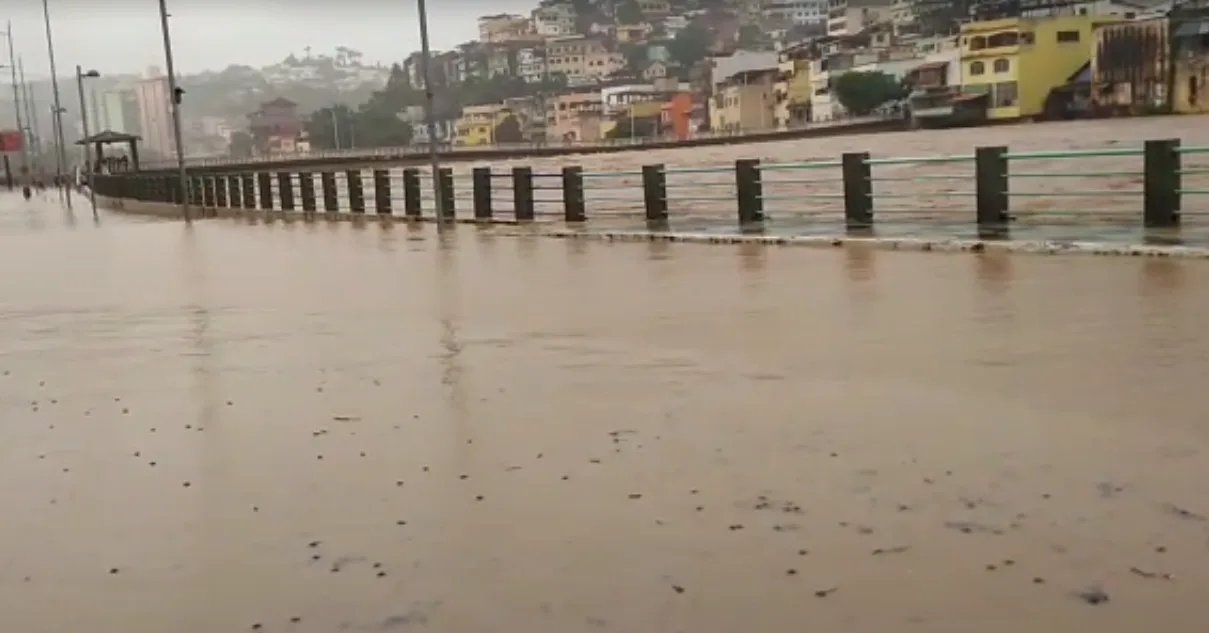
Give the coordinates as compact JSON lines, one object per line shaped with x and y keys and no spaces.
{"x":574,"y":116}
{"x":1016,"y":62}
{"x":793,"y":88}
{"x":577,"y":57}
{"x":655,"y":8}
{"x":745,"y":102}
{"x":647,"y":109}
{"x":1190,"y":71}
{"x":503,"y":27}
{"x":632,"y":33}
{"x":477,"y":124}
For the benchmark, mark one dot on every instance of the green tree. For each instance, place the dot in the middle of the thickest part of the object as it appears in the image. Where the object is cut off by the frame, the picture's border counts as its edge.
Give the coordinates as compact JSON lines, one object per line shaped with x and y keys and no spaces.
{"x":942,"y":17}
{"x":751,"y":36}
{"x":862,"y":92}
{"x":628,"y":12}
{"x":326,"y":124}
{"x":380,"y":127}
{"x":241,"y":144}
{"x":635,"y":55}
{"x":509,"y":130}
{"x":690,"y":45}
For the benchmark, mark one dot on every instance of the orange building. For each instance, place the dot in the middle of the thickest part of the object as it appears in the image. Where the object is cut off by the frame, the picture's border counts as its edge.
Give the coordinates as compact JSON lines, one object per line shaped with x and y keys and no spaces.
{"x":676,"y":115}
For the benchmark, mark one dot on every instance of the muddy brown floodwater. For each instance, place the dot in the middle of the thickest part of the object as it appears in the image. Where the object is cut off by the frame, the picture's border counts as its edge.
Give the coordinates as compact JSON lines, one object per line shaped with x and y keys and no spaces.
{"x":317,"y":428}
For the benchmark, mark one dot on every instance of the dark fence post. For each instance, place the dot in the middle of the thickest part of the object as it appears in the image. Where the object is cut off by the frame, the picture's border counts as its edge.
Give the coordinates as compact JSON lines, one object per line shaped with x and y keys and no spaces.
{"x":356,"y":191}
{"x":264,"y":182}
{"x":197,"y":191}
{"x":1161,"y":188}
{"x":331,"y":197}
{"x":654,"y":194}
{"x":234,"y":191}
{"x":285,"y":190}
{"x":749,"y":189}
{"x":382,"y":191}
{"x":573,"y":194}
{"x":522,"y":193}
{"x":247,"y":183}
{"x":412,"y":205}
{"x":220,"y":192}
{"x":480,"y":178}
{"x":207,"y":192}
{"x":448,"y":201}
{"x":858,"y":191}
{"x":306,"y":190}
{"x":991,"y":192}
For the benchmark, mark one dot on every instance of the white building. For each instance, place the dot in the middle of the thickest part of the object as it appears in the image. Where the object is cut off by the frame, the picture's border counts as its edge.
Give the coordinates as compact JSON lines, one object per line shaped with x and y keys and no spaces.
{"x":531,"y":64}
{"x":845,"y":17}
{"x":1123,"y":8}
{"x":673,"y":24}
{"x":723,"y":68}
{"x":615,"y":99}
{"x":797,"y":12}
{"x":155,"y":114}
{"x":554,"y":19}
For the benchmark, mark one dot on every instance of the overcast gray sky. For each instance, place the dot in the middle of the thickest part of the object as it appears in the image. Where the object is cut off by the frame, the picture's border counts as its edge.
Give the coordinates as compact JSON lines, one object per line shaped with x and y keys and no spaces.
{"x":124,"y":35}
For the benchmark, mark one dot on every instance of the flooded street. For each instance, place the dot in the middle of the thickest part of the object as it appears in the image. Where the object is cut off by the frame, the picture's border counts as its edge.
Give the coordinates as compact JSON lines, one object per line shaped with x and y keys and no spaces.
{"x":332,"y":427}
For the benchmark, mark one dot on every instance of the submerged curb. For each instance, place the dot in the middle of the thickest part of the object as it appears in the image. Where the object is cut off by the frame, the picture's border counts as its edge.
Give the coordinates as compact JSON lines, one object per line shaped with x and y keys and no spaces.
{"x":946,"y":245}
{"x":539,"y":228}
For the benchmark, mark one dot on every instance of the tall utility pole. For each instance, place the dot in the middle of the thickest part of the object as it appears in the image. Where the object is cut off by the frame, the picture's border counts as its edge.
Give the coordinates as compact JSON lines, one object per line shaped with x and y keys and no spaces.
{"x":61,"y":153}
{"x":175,"y":95}
{"x":434,"y":158}
{"x":12,"y":67}
{"x":31,"y":113}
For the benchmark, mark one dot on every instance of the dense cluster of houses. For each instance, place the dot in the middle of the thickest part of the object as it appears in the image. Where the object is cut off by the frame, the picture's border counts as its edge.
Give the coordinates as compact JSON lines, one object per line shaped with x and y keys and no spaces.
{"x":1005,"y":61}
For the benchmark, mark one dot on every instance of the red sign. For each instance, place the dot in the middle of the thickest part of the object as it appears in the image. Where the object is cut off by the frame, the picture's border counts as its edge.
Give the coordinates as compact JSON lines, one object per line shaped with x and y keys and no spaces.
{"x":11,"y":141}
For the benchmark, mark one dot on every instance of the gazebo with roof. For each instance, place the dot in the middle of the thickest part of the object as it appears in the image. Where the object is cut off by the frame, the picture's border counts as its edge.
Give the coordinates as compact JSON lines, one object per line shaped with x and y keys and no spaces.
{"x":108,"y":137}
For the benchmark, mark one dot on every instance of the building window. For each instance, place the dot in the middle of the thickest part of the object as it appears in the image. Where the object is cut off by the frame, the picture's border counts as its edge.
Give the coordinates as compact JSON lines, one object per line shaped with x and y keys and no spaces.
{"x":1008,"y":38}
{"x":977,"y":68}
{"x":1002,"y":65}
{"x":1067,"y":37}
{"x":1004,"y":95}
{"x":978,"y":43}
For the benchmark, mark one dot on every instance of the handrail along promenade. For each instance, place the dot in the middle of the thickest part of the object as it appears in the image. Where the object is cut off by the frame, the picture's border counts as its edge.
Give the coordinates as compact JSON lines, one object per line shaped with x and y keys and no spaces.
{"x":990,"y":190}
{"x":556,"y":147}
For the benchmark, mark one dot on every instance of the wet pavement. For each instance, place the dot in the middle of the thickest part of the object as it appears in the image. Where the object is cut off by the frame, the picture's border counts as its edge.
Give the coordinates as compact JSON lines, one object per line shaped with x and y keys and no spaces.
{"x":337,"y":427}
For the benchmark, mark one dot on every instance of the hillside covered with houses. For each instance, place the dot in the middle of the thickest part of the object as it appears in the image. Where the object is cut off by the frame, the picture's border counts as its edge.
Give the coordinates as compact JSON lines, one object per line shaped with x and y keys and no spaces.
{"x":587,"y":70}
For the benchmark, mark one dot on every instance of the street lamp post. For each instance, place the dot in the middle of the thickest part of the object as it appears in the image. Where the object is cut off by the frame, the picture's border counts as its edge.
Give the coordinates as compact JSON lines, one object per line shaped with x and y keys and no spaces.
{"x":88,"y":171}
{"x":175,"y":96}
{"x":61,"y":154}
{"x":12,"y":67}
{"x":434,"y":158}
{"x":335,"y":130}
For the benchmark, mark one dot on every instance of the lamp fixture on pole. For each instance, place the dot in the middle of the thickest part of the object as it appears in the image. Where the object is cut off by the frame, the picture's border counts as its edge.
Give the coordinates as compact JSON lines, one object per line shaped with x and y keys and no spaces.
{"x":88,"y":168}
